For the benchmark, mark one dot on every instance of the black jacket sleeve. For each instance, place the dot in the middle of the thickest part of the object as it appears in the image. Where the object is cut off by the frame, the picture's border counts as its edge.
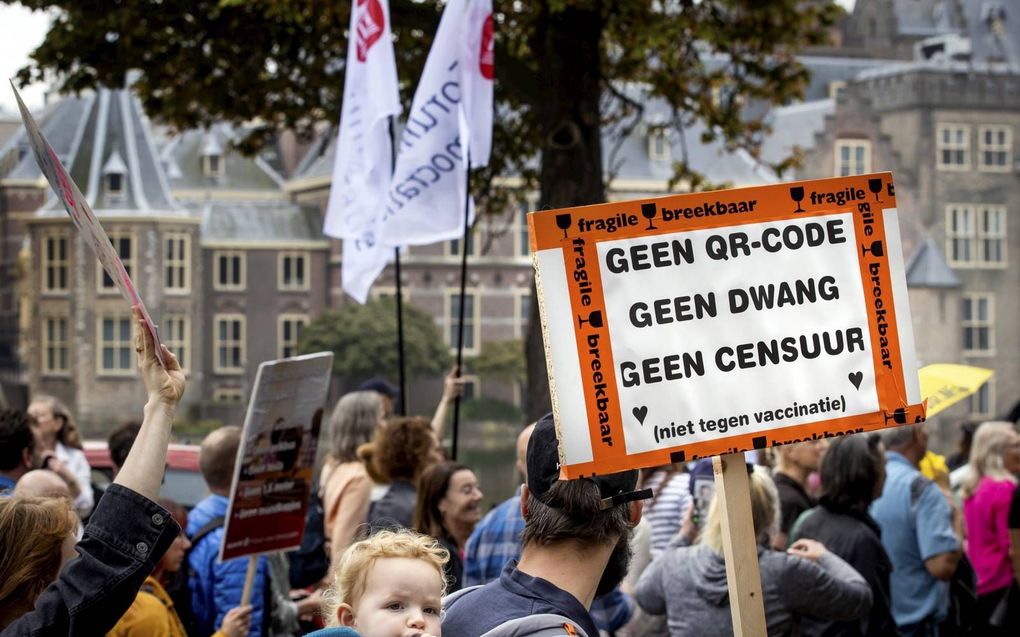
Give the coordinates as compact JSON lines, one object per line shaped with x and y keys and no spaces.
{"x":123,"y":542}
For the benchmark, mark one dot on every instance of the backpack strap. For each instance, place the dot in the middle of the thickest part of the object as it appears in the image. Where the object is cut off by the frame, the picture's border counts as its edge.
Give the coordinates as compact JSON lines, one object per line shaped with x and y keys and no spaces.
{"x":207,"y":528}
{"x":545,"y":625}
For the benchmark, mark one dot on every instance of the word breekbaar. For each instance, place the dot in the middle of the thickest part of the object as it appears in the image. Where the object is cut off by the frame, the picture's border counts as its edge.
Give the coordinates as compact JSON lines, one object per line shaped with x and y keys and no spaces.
{"x":743,"y":356}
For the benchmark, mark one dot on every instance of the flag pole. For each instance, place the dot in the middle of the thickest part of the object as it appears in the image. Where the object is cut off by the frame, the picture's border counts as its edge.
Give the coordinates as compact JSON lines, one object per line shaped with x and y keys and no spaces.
{"x":463,"y":285}
{"x":400,"y":293}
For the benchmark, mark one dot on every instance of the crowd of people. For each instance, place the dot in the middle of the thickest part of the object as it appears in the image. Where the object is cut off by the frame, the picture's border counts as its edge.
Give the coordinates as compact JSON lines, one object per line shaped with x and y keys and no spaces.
{"x":868,"y":534}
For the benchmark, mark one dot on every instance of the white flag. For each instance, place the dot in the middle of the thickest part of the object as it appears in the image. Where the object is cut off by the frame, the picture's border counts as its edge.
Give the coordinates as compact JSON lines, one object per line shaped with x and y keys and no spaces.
{"x":451,"y":115}
{"x":364,"y":151}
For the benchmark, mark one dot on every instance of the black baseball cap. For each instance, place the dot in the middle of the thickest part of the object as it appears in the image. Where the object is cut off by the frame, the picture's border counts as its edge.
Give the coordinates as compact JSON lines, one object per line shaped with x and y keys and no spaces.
{"x":382,"y":386}
{"x":544,"y":470}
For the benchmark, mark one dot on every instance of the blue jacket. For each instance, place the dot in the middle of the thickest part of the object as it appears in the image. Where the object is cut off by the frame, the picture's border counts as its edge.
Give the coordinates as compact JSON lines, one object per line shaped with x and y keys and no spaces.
{"x":216,"y":586}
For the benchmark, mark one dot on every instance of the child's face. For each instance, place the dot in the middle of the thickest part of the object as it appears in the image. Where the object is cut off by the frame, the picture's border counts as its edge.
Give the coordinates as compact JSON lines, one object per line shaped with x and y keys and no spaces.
{"x":401,"y":599}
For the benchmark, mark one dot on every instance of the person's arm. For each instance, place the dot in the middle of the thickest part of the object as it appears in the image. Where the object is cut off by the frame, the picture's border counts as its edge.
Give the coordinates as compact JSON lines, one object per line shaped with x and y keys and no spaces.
{"x":453,"y":386}
{"x":236,"y":623}
{"x":818,"y":583}
{"x":351,"y":512}
{"x":143,"y":469}
{"x":128,"y":532}
{"x":939,"y":532}
{"x":649,"y":593}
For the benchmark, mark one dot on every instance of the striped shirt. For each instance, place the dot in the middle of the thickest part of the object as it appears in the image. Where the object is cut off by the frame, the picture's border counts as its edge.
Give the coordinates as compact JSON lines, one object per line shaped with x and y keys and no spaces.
{"x":666,"y":511}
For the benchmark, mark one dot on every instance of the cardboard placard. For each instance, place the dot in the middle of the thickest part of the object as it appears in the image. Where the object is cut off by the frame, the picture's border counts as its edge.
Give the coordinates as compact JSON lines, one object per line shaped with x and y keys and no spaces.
{"x":276,"y":458}
{"x":84,"y":219}
{"x":696,"y":325}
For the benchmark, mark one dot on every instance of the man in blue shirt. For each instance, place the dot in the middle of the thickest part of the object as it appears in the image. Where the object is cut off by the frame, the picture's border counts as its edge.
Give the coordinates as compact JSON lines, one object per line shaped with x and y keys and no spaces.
{"x":575,"y":546}
{"x":16,"y":445}
{"x":921,"y":532}
{"x":496,"y":541}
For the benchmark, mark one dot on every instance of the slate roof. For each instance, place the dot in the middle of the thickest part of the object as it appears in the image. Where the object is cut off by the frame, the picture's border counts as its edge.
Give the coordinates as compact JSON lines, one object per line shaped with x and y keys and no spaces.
{"x":257,"y":221}
{"x":96,"y":131}
{"x":795,"y":125}
{"x":927,"y":268}
{"x":182,"y":159}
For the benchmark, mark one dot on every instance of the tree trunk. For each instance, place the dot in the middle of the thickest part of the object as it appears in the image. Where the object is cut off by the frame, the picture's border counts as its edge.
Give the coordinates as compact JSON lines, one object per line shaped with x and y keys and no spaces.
{"x":567,"y":46}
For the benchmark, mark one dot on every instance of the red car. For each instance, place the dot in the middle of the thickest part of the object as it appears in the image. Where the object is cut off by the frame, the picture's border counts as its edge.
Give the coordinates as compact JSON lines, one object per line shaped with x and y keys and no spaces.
{"x":182,"y":482}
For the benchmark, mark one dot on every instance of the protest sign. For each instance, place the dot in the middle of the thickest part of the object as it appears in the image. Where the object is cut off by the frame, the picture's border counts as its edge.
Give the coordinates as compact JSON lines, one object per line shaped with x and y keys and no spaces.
{"x":84,"y":219}
{"x":704,"y":324}
{"x":276,"y":458}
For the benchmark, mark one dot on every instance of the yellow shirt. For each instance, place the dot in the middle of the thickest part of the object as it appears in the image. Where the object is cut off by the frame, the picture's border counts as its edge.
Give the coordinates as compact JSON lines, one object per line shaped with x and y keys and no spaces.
{"x":152,"y":614}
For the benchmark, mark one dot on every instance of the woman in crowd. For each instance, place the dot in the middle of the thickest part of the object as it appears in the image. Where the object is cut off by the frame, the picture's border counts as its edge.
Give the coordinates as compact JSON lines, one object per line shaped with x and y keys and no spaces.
{"x":153,"y":612}
{"x":671,"y":497}
{"x":449,"y":507}
{"x":344,"y":483}
{"x":688,"y":584}
{"x":853,"y":472}
{"x":398,"y":455}
{"x":122,"y":543}
{"x":987,"y":491}
{"x":56,"y":435}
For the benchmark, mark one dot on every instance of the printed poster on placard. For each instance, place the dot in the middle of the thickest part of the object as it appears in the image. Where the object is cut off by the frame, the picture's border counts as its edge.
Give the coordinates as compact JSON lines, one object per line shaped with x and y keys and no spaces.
{"x":84,"y":219}
{"x":276,"y":458}
{"x":695,"y":325}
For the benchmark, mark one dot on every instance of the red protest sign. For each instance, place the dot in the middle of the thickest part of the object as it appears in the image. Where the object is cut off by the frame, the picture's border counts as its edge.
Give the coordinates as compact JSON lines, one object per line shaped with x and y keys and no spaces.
{"x":276,"y":458}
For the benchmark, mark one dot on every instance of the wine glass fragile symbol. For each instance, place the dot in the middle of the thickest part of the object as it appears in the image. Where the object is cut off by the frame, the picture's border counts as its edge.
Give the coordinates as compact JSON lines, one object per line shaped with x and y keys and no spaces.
{"x":797,"y":194}
{"x":563,"y":222}
{"x":648,"y":212}
{"x":875,"y":186}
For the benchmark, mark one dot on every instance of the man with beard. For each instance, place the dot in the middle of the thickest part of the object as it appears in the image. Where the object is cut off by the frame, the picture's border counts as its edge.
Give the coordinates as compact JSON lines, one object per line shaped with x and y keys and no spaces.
{"x":575,"y":547}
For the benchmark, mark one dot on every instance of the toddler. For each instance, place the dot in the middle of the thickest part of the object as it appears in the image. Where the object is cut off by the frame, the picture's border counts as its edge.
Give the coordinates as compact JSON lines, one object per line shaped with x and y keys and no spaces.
{"x":389,"y":585}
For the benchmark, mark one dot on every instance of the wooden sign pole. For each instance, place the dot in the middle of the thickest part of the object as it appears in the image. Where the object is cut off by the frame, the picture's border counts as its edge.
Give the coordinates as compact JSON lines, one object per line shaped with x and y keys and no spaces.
{"x":740,"y":546}
{"x":249,"y":580}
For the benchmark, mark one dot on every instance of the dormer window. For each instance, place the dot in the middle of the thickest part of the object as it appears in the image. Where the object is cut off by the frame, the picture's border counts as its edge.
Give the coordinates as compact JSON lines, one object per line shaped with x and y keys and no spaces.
{"x":212,"y":155}
{"x":114,"y":173}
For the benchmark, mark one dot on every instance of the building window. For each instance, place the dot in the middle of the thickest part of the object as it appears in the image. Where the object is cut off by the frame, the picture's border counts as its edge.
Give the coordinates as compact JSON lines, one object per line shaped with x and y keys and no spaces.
{"x":54,"y":346}
{"x":116,"y":348}
{"x":995,"y":148}
{"x":522,"y":312}
{"x":212,"y":165}
{"x":982,"y":402}
{"x":853,"y":157}
{"x":658,"y":146}
{"x":115,"y":183}
{"x":228,"y":270}
{"x":389,"y":292}
{"x":54,"y":266}
{"x":523,"y":242}
{"x":453,"y":246}
{"x":953,"y":147}
{"x":471,"y":322}
{"x":176,"y":262}
{"x":228,"y":395}
{"x":228,"y":343}
{"x":289,"y":330}
{"x":976,"y":235}
{"x":293,"y":271}
{"x":472,"y":387}
{"x":177,"y":336}
{"x":124,"y":245}
{"x":978,"y":325}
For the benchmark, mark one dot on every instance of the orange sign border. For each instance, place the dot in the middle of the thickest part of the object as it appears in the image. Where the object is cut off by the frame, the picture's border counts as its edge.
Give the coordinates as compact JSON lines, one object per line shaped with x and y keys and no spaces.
{"x":591,"y":225}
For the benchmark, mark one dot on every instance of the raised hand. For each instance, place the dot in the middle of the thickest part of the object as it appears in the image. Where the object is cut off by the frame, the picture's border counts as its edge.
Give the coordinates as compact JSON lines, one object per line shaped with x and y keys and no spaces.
{"x":165,"y":386}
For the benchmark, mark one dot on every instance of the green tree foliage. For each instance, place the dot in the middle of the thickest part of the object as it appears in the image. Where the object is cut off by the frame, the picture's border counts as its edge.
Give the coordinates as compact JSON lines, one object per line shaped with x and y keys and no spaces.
{"x":500,"y":360}
{"x":363,"y":339}
{"x":569,"y":73}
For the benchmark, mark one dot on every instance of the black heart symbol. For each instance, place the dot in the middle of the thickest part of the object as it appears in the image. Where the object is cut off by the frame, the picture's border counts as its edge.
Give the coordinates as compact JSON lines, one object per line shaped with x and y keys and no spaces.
{"x":856,"y":378}
{"x":640,"y":413}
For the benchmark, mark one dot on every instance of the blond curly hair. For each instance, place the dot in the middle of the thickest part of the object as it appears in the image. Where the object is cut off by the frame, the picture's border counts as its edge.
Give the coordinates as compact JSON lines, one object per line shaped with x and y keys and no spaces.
{"x":352,"y":568}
